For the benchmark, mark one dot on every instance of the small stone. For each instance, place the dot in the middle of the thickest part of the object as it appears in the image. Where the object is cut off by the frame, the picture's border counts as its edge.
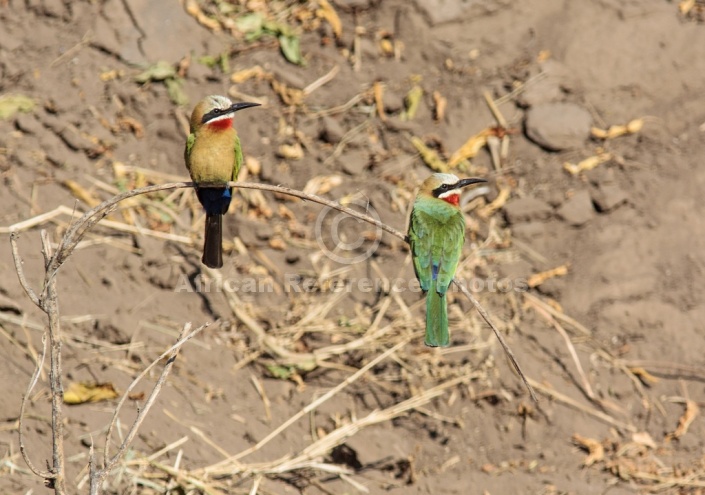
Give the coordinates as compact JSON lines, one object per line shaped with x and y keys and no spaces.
{"x":353,"y":4}
{"x":331,"y":130}
{"x":442,"y":11}
{"x":76,"y":141}
{"x":28,"y":123}
{"x":355,"y":162}
{"x":392,"y":102}
{"x":558,"y":126}
{"x":526,"y":209}
{"x":264,"y":232}
{"x":578,"y":210}
{"x":608,"y":197}
{"x":288,"y":76}
{"x":543,"y":91}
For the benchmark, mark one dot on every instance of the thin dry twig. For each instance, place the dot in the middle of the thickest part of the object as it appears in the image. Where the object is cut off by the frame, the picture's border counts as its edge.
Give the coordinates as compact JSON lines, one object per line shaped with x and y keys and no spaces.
{"x":313,"y":405}
{"x":576,"y":405}
{"x":498,"y":334}
{"x":170,"y":355}
{"x":30,"y":387}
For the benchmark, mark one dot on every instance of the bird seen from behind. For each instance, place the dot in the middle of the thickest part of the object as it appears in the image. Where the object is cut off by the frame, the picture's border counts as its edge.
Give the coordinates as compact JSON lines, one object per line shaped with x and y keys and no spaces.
{"x":213,"y":158}
{"x":436,"y":236}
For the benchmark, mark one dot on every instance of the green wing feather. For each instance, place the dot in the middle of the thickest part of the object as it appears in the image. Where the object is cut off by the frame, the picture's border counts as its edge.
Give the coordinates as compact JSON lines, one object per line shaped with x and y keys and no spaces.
{"x":189,"y":144}
{"x":238,"y":158}
{"x":436,"y":233}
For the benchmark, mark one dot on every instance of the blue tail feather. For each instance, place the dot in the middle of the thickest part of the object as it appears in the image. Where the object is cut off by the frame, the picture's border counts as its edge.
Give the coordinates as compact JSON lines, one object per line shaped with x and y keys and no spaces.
{"x":215,"y":201}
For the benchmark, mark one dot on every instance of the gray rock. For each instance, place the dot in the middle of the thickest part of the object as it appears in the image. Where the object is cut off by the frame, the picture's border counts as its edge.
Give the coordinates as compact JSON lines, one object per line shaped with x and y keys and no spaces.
{"x":544,"y":90}
{"x":353,"y":4}
{"x":28,"y":123}
{"x":331,"y":130}
{"x":165,"y":26}
{"x":558,"y":126}
{"x":608,"y":197}
{"x":115,"y":33}
{"x":578,"y":210}
{"x":526,"y":209}
{"x":440,"y":11}
{"x":355,"y":163}
{"x":393,"y":103}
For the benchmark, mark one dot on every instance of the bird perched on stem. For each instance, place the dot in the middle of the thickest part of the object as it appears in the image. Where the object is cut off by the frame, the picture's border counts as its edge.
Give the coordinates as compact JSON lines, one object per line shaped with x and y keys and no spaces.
{"x":213,"y":158}
{"x":436,"y":235}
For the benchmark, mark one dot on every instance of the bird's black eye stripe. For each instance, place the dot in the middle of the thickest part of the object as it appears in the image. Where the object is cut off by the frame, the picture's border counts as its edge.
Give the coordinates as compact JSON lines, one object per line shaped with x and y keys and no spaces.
{"x":212,"y":114}
{"x":442,"y":188}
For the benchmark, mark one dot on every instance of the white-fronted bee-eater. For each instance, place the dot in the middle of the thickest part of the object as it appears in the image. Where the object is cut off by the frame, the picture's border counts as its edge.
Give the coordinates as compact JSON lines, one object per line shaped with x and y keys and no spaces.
{"x":436,"y":235}
{"x":213,"y":158}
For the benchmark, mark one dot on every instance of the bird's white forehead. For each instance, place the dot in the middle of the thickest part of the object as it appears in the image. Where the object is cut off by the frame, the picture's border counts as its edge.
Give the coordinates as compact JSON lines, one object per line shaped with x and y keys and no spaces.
{"x":218,"y":101}
{"x":446,"y":178}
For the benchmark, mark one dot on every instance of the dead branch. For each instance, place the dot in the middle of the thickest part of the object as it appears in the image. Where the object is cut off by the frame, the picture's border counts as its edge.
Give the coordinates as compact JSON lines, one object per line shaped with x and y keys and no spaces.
{"x":47,"y":301}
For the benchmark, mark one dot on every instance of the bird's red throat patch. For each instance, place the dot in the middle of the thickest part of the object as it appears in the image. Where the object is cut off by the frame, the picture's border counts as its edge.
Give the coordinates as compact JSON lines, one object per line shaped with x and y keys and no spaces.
{"x":220,"y":125}
{"x":453,"y":199}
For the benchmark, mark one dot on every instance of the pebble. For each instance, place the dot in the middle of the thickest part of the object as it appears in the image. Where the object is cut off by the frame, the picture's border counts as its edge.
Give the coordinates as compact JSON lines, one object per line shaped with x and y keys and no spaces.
{"x":355,"y":162}
{"x":28,"y":123}
{"x":442,"y":11}
{"x":577,"y":210}
{"x":558,"y":126}
{"x":331,"y":130}
{"x":608,"y":196}
{"x":526,"y":209}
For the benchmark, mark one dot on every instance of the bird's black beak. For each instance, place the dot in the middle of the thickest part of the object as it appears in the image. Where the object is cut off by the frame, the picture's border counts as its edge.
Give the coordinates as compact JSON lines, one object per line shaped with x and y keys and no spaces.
{"x":466,"y":182}
{"x":241,"y":106}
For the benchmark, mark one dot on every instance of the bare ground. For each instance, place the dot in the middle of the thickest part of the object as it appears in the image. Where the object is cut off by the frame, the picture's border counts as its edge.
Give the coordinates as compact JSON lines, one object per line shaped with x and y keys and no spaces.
{"x":625,"y":379}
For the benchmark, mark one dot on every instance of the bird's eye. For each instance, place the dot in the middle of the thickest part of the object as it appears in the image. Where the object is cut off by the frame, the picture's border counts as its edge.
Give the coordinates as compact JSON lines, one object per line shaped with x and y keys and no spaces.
{"x":217,"y":111}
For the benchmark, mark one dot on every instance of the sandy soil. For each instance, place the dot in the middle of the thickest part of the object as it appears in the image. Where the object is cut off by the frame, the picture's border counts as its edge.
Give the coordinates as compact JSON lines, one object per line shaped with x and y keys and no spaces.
{"x":631,"y":231}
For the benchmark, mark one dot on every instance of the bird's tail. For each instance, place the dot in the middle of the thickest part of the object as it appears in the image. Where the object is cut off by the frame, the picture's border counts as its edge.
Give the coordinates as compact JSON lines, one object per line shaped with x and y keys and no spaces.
{"x":213,"y":244}
{"x":436,"y":319}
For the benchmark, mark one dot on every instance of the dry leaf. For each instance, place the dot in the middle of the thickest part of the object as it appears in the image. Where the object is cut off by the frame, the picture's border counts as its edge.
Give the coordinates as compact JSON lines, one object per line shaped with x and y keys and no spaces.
{"x":328,"y":13}
{"x":596,"y":452}
{"x":322,"y":184}
{"x":691,"y":411}
{"x":246,"y":74}
{"x":429,"y":155}
{"x":643,"y":438}
{"x":291,"y":151}
{"x":386,"y":46}
{"x":286,"y":213}
{"x":470,"y":148}
{"x":686,"y":6}
{"x":488,"y":210}
{"x":278,"y":244}
{"x":543,"y":56}
{"x":587,"y":164}
{"x":378,"y":91}
{"x":289,"y":96}
{"x":10,"y":104}
{"x":632,"y":127}
{"x":109,"y":75}
{"x":412,"y":101}
{"x":258,"y":202}
{"x":82,"y":392}
{"x":644,"y":375}
{"x":194,"y":10}
{"x":253,"y":165}
{"x":80,"y":193}
{"x":441,"y":103}
{"x":131,"y":125}
{"x":539,"y":278}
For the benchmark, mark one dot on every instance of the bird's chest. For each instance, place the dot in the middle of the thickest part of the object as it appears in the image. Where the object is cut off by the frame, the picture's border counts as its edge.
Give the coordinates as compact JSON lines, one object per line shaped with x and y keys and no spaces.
{"x":212,"y":158}
{"x":439,"y":216}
